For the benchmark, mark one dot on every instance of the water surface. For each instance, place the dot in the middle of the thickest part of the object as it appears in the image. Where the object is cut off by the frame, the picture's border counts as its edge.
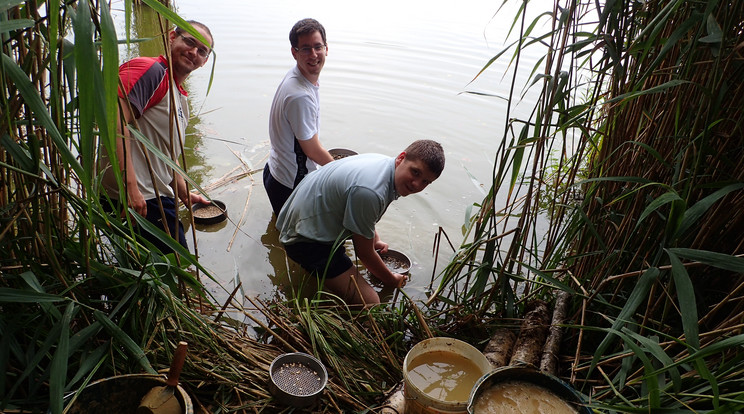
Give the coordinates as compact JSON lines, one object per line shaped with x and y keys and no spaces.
{"x":396,"y":71}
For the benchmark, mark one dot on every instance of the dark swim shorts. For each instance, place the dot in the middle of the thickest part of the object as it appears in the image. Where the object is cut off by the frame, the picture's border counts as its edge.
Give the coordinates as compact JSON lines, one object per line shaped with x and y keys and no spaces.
{"x":320,"y":258}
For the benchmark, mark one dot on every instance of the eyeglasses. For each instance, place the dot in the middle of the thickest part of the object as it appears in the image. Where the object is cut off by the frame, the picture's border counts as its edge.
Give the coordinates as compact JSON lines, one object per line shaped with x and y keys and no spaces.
{"x":306,"y":50}
{"x":192,"y":43}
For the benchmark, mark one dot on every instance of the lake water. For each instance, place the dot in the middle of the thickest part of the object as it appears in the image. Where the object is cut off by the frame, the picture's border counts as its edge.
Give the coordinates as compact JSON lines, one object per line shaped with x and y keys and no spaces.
{"x":396,"y":71}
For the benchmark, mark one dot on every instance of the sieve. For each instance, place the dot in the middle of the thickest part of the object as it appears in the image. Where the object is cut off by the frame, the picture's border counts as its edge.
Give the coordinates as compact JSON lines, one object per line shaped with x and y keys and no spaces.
{"x":396,"y":262}
{"x":297,"y":379}
{"x":338,"y":153}
{"x":209,"y":213}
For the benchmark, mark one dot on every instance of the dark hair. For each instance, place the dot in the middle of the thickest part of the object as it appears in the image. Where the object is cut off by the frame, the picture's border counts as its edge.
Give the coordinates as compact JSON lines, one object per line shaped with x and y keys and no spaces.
{"x":428,"y":151}
{"x":303,"y":27}
{"x":180,"y":30}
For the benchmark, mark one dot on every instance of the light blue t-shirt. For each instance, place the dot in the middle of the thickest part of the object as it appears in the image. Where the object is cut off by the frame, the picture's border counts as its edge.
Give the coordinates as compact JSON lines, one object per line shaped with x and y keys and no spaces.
{"x":343,"y":197}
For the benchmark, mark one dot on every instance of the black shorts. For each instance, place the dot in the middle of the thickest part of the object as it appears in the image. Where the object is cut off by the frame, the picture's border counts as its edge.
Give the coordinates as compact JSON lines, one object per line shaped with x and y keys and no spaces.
{"x":154,"y":217}
{"x":320,"y":259}
{"x":278,"y":193}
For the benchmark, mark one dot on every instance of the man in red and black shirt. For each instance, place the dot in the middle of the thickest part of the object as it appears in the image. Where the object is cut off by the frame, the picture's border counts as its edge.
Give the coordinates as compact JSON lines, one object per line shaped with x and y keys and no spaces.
{"x":146,"y":102}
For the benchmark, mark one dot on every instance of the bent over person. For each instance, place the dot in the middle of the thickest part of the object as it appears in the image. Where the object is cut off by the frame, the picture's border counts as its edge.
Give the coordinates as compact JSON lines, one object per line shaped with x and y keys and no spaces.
{"x":294,"y":120}
{"x":145,"y":101}
{"x":345,"y":199}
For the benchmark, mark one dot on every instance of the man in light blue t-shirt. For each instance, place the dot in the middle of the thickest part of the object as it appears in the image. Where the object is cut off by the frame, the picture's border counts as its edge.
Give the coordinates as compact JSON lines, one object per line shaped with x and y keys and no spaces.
{"x":345,"y":199}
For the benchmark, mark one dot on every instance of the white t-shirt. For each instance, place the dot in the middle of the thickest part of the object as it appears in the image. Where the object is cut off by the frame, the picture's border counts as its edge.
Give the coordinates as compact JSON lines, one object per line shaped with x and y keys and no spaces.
{"x":295,"y":115}
{"x":145,"y":81}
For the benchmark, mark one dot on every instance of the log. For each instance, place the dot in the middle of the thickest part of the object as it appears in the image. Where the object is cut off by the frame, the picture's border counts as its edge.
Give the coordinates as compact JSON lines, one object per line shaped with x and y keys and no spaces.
{"x":498,"y":350}
{"x":549,"y":361}
{"x":396,"y":401}
{"x":532,"y":334}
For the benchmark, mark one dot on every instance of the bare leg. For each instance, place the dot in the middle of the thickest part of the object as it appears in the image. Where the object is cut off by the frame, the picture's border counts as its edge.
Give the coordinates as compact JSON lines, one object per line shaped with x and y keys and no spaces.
{"x":353,"y":288}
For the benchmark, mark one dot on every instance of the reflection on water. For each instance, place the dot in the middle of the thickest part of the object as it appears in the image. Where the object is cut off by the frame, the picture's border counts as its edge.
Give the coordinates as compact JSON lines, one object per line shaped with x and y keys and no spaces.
{"x":289,"y":278}
{"x":146,"y":28}
{"x":389,"y":78}
{"x":291,"y":281}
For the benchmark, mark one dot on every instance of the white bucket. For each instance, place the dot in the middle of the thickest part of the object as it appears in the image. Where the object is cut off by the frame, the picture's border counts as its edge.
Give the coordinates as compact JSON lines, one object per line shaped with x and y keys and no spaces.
{"x":418,"y":401}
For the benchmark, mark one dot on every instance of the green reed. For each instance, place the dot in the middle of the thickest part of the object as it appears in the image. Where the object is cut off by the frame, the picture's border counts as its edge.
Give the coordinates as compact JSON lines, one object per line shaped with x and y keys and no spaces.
{"x":623,"y":188}
{"x":83,"y":298}
{"x":80,"y":295}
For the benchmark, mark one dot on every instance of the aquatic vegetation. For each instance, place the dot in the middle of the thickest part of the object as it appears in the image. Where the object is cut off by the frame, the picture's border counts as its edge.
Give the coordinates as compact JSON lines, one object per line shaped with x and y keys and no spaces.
{"x":623,"y":188}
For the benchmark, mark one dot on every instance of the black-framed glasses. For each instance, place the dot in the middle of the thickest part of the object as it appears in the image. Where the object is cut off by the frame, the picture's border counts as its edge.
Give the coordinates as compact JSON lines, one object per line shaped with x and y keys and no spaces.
{"x":306,"y":50}
{"x":192,"y":43}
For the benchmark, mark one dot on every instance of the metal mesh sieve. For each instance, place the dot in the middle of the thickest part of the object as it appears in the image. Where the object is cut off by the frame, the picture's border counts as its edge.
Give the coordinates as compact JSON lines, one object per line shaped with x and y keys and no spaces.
{"x":338,"y":153}
{"x":297,"y":379}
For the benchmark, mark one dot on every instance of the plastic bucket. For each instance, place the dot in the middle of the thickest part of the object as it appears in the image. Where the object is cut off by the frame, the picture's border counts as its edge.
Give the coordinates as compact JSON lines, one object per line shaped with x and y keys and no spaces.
{"x":417,"y":400}
{"x":532,"y":376}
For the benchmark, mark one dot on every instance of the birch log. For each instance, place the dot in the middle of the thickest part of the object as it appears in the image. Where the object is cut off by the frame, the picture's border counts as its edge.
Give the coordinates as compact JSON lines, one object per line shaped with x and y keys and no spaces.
{"x":498,"y":350}
{"x":396,"y":402}
{"x":549,"y":361}
{"x":532,"y":334}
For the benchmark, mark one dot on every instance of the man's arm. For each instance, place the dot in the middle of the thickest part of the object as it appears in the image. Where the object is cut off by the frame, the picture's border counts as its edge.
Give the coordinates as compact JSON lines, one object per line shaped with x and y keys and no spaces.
{"x":185,"y":195}
{"x":379,"y":245}
{"x":135,"y":199}
{"x":365,"y":251}
{"x":315,"y":151}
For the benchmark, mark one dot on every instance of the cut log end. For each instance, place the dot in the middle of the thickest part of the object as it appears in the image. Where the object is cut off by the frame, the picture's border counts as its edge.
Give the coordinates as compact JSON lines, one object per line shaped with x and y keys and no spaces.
{"x":499,"y":348}
{"x":396,"y":401}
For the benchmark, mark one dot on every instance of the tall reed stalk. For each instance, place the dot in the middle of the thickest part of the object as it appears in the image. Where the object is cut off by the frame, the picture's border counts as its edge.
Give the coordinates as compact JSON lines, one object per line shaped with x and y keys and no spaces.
{"x":82,"y":297}
{"x":80,"y":294}
{"x":624,"y":187}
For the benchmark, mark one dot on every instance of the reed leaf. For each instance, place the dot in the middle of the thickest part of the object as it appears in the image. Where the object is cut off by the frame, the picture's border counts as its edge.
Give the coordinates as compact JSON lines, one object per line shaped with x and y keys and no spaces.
{"x":33,"y":100}
{"x":58,"y":371}
{"x":696,"y":212}
{"x":16,"y":24}
{"x":125,"y":340}
{"x":687,"y":302}
{"x":715,"y":259}
{"x":10,"y":295}
{"x":86,"y":52}
{"x":6,"y":5}
{"x":666,"y":198}
{"x":652,"y":391}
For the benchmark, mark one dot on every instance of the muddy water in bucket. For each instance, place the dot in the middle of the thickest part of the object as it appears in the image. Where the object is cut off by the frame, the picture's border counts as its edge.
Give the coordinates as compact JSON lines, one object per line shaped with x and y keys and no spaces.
{"x":524,"y":390}
{"x":439,"y":375}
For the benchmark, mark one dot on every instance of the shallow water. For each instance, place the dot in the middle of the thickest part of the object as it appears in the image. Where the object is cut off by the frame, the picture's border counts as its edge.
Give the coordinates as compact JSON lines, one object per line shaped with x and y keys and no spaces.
{"x":396,"y":71}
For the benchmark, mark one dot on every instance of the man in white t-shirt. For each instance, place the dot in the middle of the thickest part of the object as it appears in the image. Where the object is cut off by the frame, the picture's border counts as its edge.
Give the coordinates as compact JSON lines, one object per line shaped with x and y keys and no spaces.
{"x":345,"y":199}
{"x":145,"y":97}
{"x":294,"y":121}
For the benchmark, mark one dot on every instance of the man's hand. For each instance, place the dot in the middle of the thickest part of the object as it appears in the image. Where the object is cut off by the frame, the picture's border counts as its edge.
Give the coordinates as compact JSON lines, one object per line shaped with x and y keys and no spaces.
{"x":400,"y":280}
{"x":379,"y":245}
{"x":136,"y":201}
{"x":184,"y":195}
{"x":198,"y":198}
{"x":365,"y":251}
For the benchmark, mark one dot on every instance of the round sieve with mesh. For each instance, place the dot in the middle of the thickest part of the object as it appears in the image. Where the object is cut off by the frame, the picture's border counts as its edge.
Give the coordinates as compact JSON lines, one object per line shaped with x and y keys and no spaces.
{"x":297,"y":379}
{"x":338,"y":153}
